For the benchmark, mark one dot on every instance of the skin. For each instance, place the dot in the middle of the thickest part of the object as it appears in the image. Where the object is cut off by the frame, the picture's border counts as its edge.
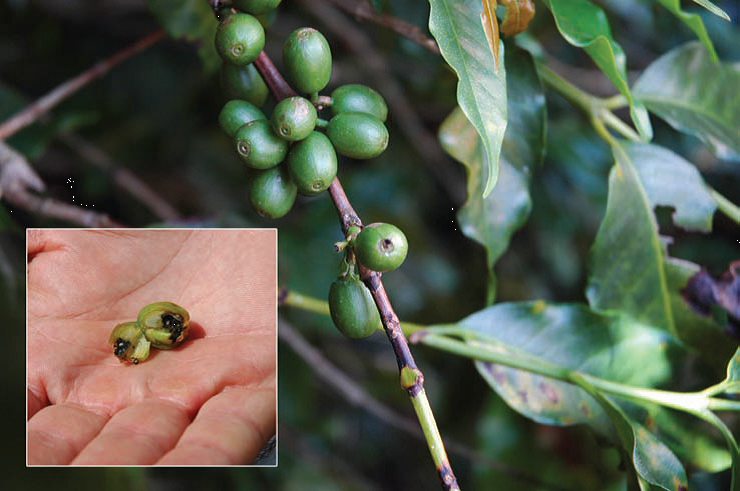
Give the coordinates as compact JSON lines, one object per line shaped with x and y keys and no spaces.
{"x":209,"y":401}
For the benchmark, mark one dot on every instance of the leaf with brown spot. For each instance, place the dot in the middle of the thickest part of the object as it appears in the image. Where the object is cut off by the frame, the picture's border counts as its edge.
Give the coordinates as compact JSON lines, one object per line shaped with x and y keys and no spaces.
{"x":490,"y":27}
{"x":518,"y":15}
{"x":705,"y":294}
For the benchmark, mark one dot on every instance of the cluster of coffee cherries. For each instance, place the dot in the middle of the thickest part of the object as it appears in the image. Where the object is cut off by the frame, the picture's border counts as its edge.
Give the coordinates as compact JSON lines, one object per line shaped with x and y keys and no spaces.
{"x":294,"y":151}
{"x":161,"y":325}
{"x":379,"y":247}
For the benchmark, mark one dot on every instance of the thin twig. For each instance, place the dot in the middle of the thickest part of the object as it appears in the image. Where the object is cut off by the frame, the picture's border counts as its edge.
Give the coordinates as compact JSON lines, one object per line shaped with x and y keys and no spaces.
{"x":354,"y":393}
{"x":279,"y":88}
{"x":362,"y":10}
{"x":403,"y":113}
{"x":122,"y":177}
{"x":18,"y":180}
{"x":41,"y":106}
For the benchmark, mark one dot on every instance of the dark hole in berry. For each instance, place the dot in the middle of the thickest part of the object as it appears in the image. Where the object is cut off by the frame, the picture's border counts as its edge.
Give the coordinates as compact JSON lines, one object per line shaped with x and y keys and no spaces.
{"x":387,"y":244}
{"x":173,"y":324}
{"x":120,"y":347}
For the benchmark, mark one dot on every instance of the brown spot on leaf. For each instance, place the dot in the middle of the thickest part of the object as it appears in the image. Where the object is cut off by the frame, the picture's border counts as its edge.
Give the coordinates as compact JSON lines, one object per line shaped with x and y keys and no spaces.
{"x":549,"y":392}
{"x":705,"y":293}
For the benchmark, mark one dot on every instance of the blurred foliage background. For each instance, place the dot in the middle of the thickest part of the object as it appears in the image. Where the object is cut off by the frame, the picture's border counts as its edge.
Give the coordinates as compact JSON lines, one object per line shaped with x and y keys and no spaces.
{"x":155,"y":116}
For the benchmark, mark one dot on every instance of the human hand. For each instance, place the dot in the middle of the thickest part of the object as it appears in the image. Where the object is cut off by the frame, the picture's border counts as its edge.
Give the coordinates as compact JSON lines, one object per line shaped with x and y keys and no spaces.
{"x":209,"y":401}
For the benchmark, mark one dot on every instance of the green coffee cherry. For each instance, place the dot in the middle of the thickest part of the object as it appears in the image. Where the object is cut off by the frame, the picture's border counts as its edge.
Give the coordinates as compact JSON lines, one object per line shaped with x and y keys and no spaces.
{"x":165,"y":324}
{"x":352,"y":308}
{"x":381,"y":247}
{"x":272,"y":192}
{"x":259,"y":146}
{"x":357,"y":135}
{"x":358,"y":99}
{"x":129,"y":343}
{"x":313,"y":164}
{"x":236,"y":114}
{"x":294,"y":118}
{"x":307,"y":60}
{"x":256,"y":7}
{"x":243,"y":82}
{"x":240,"y":39}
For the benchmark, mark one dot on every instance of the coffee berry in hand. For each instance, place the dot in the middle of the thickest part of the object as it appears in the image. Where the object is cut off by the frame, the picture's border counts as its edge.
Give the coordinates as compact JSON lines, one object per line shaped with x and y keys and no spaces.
{"x":381,"y":247}
{"x":239,"y":39}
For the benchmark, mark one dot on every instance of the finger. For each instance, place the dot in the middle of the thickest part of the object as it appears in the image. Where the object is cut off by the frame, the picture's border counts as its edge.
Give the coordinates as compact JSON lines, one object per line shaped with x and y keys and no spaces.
{"x":138,"y":435}
{"x":34,"y":403}
{"x":56,"y":434}
{"x":230,"y":429}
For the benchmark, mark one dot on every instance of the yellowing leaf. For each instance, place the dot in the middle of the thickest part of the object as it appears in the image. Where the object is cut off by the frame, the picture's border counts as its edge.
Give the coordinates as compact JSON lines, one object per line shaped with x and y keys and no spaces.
{"x":490,"y":27}
{"x":518,"y":15}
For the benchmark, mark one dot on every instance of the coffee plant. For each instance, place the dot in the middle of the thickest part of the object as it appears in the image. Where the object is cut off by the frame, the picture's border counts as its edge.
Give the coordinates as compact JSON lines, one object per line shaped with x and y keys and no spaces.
{"x":572,"y":289}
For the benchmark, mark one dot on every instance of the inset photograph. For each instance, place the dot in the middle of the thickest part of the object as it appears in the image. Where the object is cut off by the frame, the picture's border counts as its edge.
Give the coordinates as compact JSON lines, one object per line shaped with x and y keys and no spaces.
{"x":151,"y":347}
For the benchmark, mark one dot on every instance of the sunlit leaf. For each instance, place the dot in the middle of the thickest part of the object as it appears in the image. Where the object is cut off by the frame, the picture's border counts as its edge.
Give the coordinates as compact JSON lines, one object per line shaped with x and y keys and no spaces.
{"x":518,"y":15}
{"x":696,"y":96}
{"x":669,"y":180}
{"x":626,"y":260}
{"x":481,"y":90}
{"x":693,"y":21}
{"x":629,"y":269}
{"x":585,"y":25}
{"x":491,"y":221}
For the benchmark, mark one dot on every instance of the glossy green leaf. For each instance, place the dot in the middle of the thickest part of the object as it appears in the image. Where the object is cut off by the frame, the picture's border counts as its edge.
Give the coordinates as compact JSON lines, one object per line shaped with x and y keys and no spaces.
{"x":491,"y":221}
{"x":190,"y":20}
{"x":585,"y":25}
{"x":626,"y":259}
{"x":669,"y":180}
{"x":693,"y":21}
{"x":713,"y":9}
{"x":685,"y":434}
{"x":572,"y":337}
{"x":629,"y":269}
{"x":575,"y":338}
{"x":695,"y":95}
{"x":481,"y":89}
{"x":656,"y":466}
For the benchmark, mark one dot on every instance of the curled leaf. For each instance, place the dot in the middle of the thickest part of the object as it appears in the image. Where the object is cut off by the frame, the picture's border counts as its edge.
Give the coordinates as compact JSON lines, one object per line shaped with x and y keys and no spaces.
{"x":490,"y":27}
{"x":518,"y":15}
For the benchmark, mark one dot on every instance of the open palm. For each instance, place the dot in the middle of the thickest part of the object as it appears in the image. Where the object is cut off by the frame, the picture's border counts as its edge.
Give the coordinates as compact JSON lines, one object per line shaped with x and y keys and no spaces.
{"x":209,"y":401}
